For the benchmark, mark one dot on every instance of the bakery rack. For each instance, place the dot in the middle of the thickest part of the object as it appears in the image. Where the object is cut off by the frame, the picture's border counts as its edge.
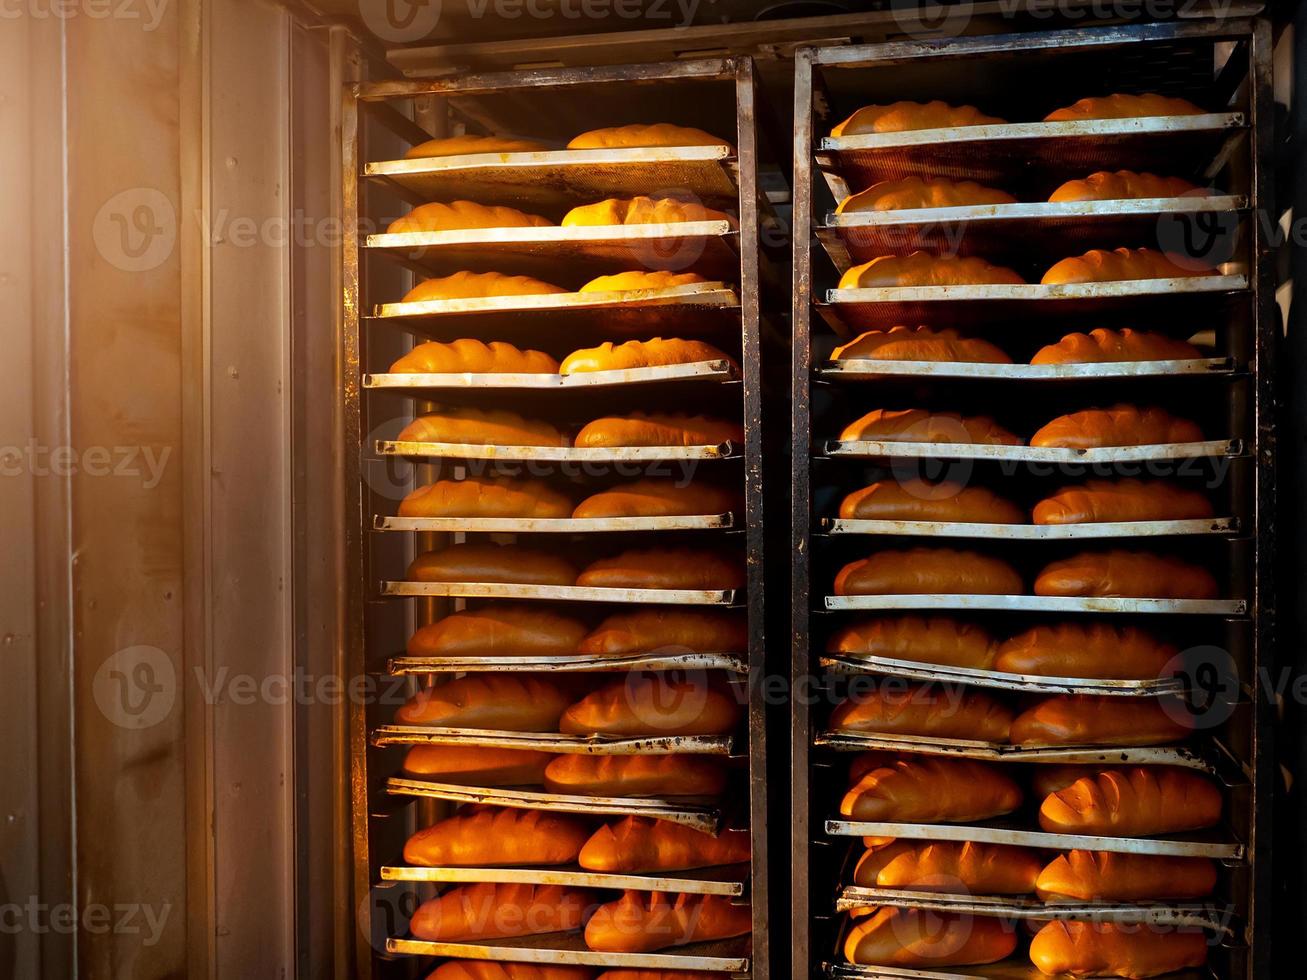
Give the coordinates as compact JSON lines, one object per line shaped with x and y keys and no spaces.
{"x":382,"y":120}
{"x":1223,"y":64}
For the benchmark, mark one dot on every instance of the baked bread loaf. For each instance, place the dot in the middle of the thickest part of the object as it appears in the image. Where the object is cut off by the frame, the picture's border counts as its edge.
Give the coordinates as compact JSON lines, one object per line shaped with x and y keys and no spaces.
{"x":464,"y":215}
{"x":1124,"y":185}
{"x":1139,"y":801}
{"x":922,"y":192}
{"x":916,"y":500}
{"x":636,"y":775}
{"x":924,"y":571}
{"x":487,"y":970}
{"x":510,"y":702}
{"x":622,"y":282}
{"x":644,"y":134}
{"x":920,"y":344}
{"x":480,"y":496}
{"x":1087,"y":719}
{"x":454,"y":146}
{"x":918,"y":425}
{"x":669,"y":630}
{"x":640,"y":845}
{"x":1131,"y":574}
{"x":479,"y":427}
{"x":475,"y":562}
{"x":933,"y":640}
{"x":1105,"y":949}
{"x":910,"y":937}
{"x":1108,"y":876}
{"x":1102,"y":346}
{"x":473,"y":357}
{"x":641,"y":922}
{"x":665,"y":568}
{"x":1122,"y":500}
{"x":1096,"y":651}
{"x":490,"y":911}
{"x":477,"y":765}
{"x":478,"y":285}
{"x":654,"y":704}
{"x":1120,"y":425}
{"x":499,"y":630}
{"x":1121,"y":264}
{"x":642,"y":429}
{"x":641,"y":210}
{"x":641,"y":354}
{"x":658,"y":497}
{"x":1121,"y":105}
{"x":924,"y":269}
{"x":926,"y":711}
{"x":498,"y":836}
{"x":954,"y":867}
{"x":899,"y":117}
{"x":927,"y":789}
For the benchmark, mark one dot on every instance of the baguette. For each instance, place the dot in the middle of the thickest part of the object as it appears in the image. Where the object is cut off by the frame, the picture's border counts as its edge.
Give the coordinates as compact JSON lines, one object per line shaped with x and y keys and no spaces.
{"x":914,"y":499}
{"x":641,"y":354}
{"x":473,"y":357}
{"x":1108,"y":876}
{"x":635,"y":775}
{"x":1096,"y":651}
{"x":925,"y":789}
{"x":1122,"y":500}
{"x":1121,"y":105}
{"x":464,"y":215}
{"x":1124,"y":185}
{"x":1139,"y":801}
{"x":910,"y":937}
{"x":486,"y":970}
{"x":641,"y":210}
{"x":933,"y":640}
{"x":499,"y":911}
{"x":477,"y":765}
{"x":900,"y":117}
{"x":922,"y":192}
{"x":1086,"y":719}
{"x":1107,"y":346}
{"x":1122,"y":264}
{"x":925,"y":711}
{"x":476,"y":496}
{"x":644,"y":134}
{"x":1131,"y":574}
{"x":918,"y":425}
{"x":499,"y":630}
{"x":497,"y":702}
{"x":640,"y":845}
{"x":641,"y":922}
{"x":924,"y":269}
{"x":641,"y":429}
{"x":497,"y":837}
{"x":665,"y":568}
{"x":954,"y":867}
{"x":669,"y":631}
{"x":478,"y":285}
{"x":920,"y":344}
{"x":653,"y":704}
{"x":477,"y":427}
{"x":656,"y":497}
{"x":621,"y":282}
{"x":507,"y":563}
{"x":926,"y":571}
{"x":1105,"y":949}
{"x":1120,"y":425}
{"x":453,"y":146}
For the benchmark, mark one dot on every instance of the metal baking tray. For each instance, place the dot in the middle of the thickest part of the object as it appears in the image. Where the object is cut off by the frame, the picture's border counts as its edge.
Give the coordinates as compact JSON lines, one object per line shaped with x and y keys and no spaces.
{"x":697,"y":814}
{"x":1034,"y":532}
{"x":553,"y":741}
{"x":729,"y":880}
{"x":1040,"y":603}
{"x":553,"y":525}
{"x":551,"y":454}
{"x":699,"y":371}
{"x":1015,"y":968}
{"x":562,"y":593}
{"x":579,"y":663}
{"x":872,"y":449}
{"x":554,"y":180}
{"x":871,"y":369}
{"x":569,"y":949}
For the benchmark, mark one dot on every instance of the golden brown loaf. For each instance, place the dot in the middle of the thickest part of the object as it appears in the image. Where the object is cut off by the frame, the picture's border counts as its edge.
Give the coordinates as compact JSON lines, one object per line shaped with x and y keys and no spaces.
{"x":918,"y":425}
{"x":487,"y":970}
{"x":670,"y":631}
{"x":641,"y":922}
{"x":923,"y":571}
{"x":490,"y":911}
{"x":453,"y":146}
{"x":920,"y":344}
{"x":1121,"y":105}
{"x":636,"y":775}
{"x":657,"y":497}
{"x":1120,"y":425}
{"x":478,"y":285}
{"x":1118,"y":265}
{"x":1123,"y":185}
{"x":654,"y":704}
{"x":1102,"y":346}
{"x":1095,"y":651}
{"x":909,"y":937}
{"x":1108,"y":876}
{"x":641,"y":211}
{"x":922,"y":192}
{"x":494,"y":836}
{"x":1132,"y":574}
{"x":1139,"y":801}
{"x":473,"y":357}
{"x":499,"y":630}
{"x":665,"y":568}
{"x":478,"y":427}
{"x":464,"y":215}
{"x":1104,"y":949}
{"x":507,"y":563}
{"x":477,"y":765}
{"x":925,"y":789}
{"x":933,"y":640}
{"x":926,"y":711}
{"x":641,"y":429}
{"x":644,"y":134}
{"x":641,"y":354}
{"x":1086,"y":719}
{"x":899,"y":117}
{"x":1122,"y":500}
{"x":924,"y":269}
{"x":499,"y":702}
{"x":621,"y":282}
{"x":479,"y":496}
{"x":638,"y":845}
{"x":964,"y":868}
{"x":916,"y":500}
